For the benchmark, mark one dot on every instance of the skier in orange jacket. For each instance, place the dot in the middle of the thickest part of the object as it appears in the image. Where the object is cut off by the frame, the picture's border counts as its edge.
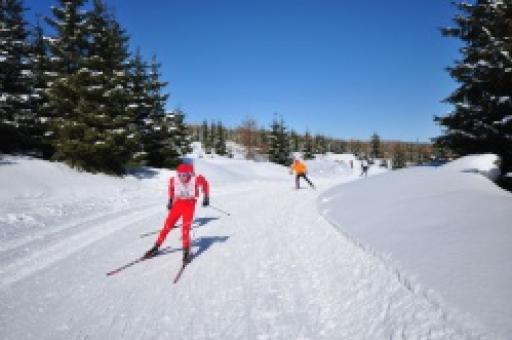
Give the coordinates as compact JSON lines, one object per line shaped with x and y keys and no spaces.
{"x":300,"y":169}
{"x":183,"y":193}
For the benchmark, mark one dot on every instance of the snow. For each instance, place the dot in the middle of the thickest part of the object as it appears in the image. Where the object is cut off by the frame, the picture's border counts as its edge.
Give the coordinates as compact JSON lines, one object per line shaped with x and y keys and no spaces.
{"x":486,"y":164}
{"x":507,"y":119}
{"x":506,"y":55}
{"x":447,"y":229}
{"x":273,"y":269}
{"x":51,"y":40}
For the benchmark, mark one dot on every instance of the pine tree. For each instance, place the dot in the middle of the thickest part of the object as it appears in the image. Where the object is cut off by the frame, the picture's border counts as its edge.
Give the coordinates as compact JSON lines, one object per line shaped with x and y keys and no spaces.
{"x":295,"y":141}
{"x":481,"y":120}
{"x":40,"y":63}
{"x":68,"y":50}
{"x":320,"y":145}
{"x":279,"y":148}
{"x":375,"y":146}
{"x":206,"y":139}
{"x":167,"y":152}
{"x":307,"y":151}
{"x":157,"y":99}
{"x":88,"y":93}
{"x":104,"y":94}
{"x":213,"y":137}
{"x":220,"y":144}
{"x":140,"y":104}
{"x":158,"y":127}
{"x":181,"y":135}
{"x":15,"y":77}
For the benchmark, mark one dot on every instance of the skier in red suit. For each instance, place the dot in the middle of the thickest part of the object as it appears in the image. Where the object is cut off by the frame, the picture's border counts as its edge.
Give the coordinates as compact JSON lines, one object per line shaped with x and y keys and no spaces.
{"x":183,"y":193}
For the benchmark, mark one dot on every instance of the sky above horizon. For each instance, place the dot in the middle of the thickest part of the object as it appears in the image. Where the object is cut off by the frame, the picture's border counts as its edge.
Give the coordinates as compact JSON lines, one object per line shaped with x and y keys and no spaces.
{"x":344,"y":69}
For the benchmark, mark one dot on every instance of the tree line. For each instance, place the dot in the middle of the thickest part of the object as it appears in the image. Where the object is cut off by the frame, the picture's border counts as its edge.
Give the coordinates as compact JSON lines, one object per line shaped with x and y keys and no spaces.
{"x":277,"y":143}
{"x":79,"y":95}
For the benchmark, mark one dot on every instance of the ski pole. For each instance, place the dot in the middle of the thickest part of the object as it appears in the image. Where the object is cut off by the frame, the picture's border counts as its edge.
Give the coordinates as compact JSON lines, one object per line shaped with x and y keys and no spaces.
{"x":157,"y":231}
{"x":149,"y":233}
{"x":220,"y":210}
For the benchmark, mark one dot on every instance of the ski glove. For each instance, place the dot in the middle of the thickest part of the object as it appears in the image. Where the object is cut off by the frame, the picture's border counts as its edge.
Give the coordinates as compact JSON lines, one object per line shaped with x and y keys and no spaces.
{"x":169,"y":204}
{"x":206,"y":201}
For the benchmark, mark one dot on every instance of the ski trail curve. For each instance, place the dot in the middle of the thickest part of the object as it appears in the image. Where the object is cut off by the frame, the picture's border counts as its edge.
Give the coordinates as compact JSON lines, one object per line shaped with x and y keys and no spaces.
{"x":274,"y":269}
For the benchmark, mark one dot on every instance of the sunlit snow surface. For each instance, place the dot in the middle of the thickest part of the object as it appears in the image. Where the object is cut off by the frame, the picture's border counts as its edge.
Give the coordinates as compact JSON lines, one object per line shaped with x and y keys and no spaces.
{"x":274,"y":269}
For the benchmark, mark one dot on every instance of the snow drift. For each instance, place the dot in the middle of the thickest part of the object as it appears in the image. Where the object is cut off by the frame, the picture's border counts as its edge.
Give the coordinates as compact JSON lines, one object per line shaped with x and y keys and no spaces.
{"x":487,"y":165}
{"x":448,"y":226}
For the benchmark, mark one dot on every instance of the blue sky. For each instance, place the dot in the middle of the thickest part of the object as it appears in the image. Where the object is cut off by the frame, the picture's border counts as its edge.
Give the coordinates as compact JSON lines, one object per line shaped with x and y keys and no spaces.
{"x":343,"y":68}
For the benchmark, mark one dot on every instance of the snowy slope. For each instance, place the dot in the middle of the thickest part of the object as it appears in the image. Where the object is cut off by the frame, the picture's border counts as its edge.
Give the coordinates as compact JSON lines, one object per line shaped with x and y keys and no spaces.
{"x":274,"y":269}
{"x":448,"y":226}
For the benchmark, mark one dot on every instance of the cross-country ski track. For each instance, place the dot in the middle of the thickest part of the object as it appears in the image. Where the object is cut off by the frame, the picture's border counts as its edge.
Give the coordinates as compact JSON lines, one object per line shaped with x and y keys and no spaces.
{"x":274,"y":269}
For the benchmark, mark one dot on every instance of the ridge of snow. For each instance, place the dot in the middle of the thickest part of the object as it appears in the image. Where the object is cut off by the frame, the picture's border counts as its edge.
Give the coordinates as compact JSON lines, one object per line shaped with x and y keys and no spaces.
{"x":447,"y":228}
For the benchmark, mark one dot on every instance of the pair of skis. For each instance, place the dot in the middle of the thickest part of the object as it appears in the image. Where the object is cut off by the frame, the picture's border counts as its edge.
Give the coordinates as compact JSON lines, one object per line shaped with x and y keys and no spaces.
{"x":143,"y":258}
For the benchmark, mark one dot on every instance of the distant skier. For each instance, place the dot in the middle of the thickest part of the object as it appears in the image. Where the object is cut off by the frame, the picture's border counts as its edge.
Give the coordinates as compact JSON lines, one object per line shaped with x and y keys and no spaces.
{"x":364,"y":167}
{"x":300,"y":169}
{"x":183,"y":193}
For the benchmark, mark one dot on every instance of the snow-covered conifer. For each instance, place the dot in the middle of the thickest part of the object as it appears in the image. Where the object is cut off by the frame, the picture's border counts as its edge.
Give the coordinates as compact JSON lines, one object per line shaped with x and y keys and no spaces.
{"x":481,"y":119}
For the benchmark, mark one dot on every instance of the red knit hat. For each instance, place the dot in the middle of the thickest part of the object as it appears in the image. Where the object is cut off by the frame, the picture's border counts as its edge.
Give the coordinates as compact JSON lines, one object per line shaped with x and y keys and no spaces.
{"x":185,"y":168}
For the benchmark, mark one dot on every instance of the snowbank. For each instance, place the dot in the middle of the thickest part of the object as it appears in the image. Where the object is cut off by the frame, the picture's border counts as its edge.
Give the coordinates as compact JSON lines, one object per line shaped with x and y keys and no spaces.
{"x":450,"y":229}
{"x":487,"y":165}
{"x":37,"y":195}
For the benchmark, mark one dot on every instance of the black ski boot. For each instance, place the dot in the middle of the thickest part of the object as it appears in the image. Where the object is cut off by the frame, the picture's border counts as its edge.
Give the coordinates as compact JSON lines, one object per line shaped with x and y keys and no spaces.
{"x":152,"y":252}
{"x":186,"y":256}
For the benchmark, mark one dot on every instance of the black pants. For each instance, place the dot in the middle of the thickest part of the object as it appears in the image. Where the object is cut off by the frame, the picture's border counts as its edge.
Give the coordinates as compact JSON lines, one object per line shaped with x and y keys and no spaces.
{"x":297,"y":180}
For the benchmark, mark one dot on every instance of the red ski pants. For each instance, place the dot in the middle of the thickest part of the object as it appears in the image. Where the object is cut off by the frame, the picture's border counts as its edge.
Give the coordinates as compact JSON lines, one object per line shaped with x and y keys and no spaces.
{"x":184,"y":209}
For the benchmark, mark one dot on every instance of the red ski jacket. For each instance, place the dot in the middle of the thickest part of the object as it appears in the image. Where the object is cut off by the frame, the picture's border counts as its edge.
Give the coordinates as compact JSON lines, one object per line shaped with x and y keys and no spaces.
{"x":189,"y":190}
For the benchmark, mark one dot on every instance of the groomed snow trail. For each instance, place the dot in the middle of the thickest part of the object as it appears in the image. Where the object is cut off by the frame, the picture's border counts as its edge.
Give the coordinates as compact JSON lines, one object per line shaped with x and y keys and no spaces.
{"x":274,"y":269}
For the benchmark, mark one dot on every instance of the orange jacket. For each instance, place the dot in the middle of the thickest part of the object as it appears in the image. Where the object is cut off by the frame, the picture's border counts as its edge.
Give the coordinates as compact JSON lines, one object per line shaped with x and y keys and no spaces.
{"x":299,"y":168}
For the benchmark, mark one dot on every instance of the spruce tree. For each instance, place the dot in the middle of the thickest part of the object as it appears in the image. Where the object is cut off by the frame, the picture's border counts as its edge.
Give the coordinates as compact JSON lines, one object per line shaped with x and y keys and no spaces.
{"x":307,"y":151}
{"x":140,"y":104}
{"x":279,"y":143}
{"x":68,"y":50}
{"x":206,"y":139}
{"x":158,"y":127}
{"x":88,"y":93}
{"x":320,"y":144}
{"x":295,"y":141}
{"x":157,"y":99}
{"x":481,"y":120}
{"x":15,"y":78}
{"x":166,"y":153}
{"x":375,"y":146}
{"x":40,"y":62}
{"x":220,"y":144}
{"x":181,"y":135}
{"x":213,"y":137}
{"x":104,"y":94}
